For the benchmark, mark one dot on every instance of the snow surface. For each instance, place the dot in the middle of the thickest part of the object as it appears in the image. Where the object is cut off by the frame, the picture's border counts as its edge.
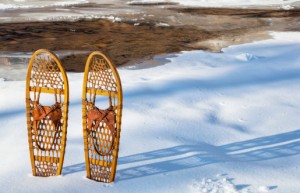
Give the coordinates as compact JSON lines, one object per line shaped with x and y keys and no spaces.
{"x":202,"y":122}
{"x":221,"y":3}
{"x":25,"y":4}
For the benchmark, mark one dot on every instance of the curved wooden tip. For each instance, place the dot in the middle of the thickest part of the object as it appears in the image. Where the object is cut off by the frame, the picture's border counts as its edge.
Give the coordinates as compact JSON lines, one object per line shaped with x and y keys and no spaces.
{"x":98,"y":53}
{"x":56,"y":59}
{"x":40,"y":51}
{"x":52,"y":54}
{"x":111,"y":65}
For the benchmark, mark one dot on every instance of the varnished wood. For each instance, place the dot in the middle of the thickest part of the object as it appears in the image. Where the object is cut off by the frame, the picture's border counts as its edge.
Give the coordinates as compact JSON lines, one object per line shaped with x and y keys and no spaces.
{"x":102,"y":92}
{"x":48,"y":90}
{"x":52,"y":66}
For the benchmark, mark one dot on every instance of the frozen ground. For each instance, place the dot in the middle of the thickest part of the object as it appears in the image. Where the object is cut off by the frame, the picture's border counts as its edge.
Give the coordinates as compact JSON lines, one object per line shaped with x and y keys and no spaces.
{"x":24,"y":4}
{"x":201,"y":122}
{"x":70,"y":10}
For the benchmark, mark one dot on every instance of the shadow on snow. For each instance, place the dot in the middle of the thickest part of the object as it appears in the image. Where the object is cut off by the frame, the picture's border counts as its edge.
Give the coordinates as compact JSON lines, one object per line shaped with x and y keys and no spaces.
{"x":192,"y":156}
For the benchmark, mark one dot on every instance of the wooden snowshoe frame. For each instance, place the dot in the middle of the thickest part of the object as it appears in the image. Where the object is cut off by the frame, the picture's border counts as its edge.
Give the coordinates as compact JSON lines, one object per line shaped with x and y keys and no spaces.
{"x":47,"y":140}
{"x":101,"y":82}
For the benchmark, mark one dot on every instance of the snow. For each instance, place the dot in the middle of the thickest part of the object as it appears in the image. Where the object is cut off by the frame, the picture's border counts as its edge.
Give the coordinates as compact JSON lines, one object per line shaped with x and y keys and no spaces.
{"x":263,"y":189}
{"x":218,"y":185}
{"x":201,"y":122}
{"x":221,"y":3}
{"x":25,"y":4}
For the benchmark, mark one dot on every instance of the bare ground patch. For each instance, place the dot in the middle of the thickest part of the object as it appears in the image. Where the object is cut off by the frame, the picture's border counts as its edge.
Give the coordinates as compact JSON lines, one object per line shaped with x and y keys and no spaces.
{"x":124,"y":42}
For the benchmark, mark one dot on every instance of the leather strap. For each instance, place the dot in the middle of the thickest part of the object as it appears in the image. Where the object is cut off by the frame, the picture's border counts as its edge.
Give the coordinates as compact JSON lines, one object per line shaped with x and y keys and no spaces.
{"x":52,"y":113}
{"x":97,"y":115}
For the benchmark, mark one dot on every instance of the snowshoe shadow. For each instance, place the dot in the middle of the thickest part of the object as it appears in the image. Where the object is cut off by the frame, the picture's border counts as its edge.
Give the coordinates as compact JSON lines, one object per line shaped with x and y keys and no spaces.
{"x":184,"y":157}
{"x":73,"y":168}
